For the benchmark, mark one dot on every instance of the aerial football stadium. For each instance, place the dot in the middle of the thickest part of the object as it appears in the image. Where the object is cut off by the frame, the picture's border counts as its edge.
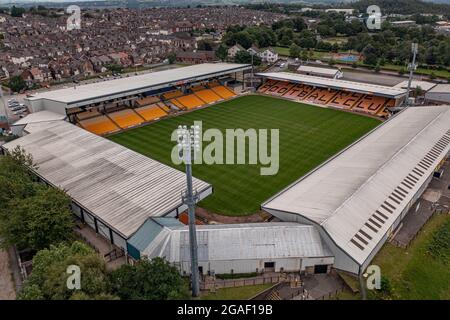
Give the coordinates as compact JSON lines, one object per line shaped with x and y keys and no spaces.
{"x":349,"y":169}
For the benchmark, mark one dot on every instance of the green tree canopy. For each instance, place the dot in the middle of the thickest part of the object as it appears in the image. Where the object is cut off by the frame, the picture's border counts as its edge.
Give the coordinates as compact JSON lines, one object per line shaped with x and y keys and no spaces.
{"x":48,"y":279}
{"x":149,"y":280}
{"x":17,"y":84}
{"x":32,"y":215}
{"x":243,"y":56}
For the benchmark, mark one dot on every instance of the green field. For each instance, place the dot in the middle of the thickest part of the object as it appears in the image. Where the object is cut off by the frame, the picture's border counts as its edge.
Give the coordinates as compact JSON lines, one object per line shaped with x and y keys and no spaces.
{"x":308,"y":136}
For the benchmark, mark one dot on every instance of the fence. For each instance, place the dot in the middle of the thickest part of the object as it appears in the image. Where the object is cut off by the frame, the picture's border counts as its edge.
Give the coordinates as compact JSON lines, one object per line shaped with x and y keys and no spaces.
{"x":231,"y":283}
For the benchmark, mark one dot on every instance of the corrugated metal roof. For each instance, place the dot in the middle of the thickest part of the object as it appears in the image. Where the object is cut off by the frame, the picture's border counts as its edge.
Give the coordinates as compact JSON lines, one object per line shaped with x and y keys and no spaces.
{"x":424,"y":85}
{"x":240,"y":242}
{"x":366,"y":88}
{"x":360,"y":192}
{"x":119,"y":186}
{"x":124,"y":85}
{"x":41,"y":116}
{"x":318,"y":70}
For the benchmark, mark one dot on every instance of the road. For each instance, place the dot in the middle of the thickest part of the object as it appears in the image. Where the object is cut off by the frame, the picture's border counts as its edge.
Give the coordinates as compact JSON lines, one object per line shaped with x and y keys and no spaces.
{"x":7,"y":291}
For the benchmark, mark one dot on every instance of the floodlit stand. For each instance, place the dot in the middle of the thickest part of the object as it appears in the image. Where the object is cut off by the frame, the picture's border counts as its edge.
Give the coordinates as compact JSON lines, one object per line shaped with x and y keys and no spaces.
{"x":188,"y":146}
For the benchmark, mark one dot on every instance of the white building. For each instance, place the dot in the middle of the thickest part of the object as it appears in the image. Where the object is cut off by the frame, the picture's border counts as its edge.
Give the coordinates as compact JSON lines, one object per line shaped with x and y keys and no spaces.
{"x":359,"y":197}
{"x":269,"y":55}
{"x":439,"y":94}
{"x":236,"y":248}
{"x":234,"y":50}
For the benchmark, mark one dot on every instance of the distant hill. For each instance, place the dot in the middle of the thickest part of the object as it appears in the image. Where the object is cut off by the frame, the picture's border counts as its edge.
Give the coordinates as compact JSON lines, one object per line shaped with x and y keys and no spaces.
{"x":405,"y":6}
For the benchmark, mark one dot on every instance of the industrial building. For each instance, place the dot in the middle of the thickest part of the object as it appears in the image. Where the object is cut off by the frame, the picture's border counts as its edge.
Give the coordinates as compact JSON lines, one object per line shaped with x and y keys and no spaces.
{"x":439,"y":94}
{"x":114,"y":190}
{"x":236,"y":248}
{"x":359,"y":197}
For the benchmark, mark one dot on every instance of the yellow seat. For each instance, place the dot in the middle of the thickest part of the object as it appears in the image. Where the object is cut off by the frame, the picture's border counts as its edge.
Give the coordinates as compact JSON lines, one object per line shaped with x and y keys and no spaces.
{"x":151,"y":112}
{"x":126,"y":118}
{"x":224,"y":92}
{"x":172,"y":94}
{"x":177,"y":103}
{"x":208,"y":95}
{"x":99,"y":125}
{"x":190,"y":101}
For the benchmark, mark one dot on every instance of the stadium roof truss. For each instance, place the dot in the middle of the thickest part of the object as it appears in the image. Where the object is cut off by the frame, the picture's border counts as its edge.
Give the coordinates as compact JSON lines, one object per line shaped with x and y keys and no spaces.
{"x":107,"y":90}
{"x":358,"y":195}
{"x":120,"y":187}
{"x":344,"y":85}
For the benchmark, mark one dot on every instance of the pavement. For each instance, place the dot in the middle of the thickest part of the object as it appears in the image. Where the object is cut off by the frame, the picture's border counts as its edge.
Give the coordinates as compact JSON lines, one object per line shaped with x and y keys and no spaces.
{"x":7,"y":286}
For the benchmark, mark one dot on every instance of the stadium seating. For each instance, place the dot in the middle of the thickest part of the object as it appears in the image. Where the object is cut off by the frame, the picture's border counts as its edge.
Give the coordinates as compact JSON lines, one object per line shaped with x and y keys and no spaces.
{"x":265,"y":86}
{"x":151,"y":112}
{"x":198,"y":88}
{"x":208,"y":95}
{"x":370,"y":104}
{"x":126,"y":118}
{"x":213,"y":84}
{"x":176,"y":103}
{"x":99,"y":125}
{"x":147,"y":100}
{"x":190,"y":101}
{"x":164,"y":107}
{"x":172,"y":94}
{"x":88,"y":114}
{"x":223,"y":92}
{"x":279,"y":88}
{"x":345,"y":100}
{"x":321,"y":95}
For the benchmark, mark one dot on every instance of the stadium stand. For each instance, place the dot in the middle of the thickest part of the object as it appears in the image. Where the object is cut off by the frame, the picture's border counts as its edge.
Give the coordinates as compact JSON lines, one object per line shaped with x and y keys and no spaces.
{"x":190,"y":101}
{"x":265,"y":86}
{"x":151,"y":112}
{"x":213,"y":84}
{"x":88,"y":114}
{"x":164,"y":107}
{"x":345,"y":100}
{"x":126,"y":118}
{"x":208,"y":95}
{"x":177,"y":104}
{"x":172,"y":94}
{"x":279,"y":88}
{"x":223,"y":91}
{"x":147,"y":101}
{"x":99,"y":125}
{"x":198,"y":87}
{"x":370,"y":104}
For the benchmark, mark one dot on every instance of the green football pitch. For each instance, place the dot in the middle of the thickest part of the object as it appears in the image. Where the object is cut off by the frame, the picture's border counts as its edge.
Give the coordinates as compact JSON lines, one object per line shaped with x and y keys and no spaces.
{"x":308,"y":135}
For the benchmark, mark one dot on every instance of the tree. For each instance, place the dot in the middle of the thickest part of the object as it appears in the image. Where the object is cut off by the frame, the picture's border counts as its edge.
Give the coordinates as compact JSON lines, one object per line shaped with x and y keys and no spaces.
{"x":17,"y":84}
{"x":295,"y":51}
{"x":149,"y":280}
{"x":17,"y":12}
{"x":243,"y":56}
{"x":48,"y":279}
{"x":205,"y":45}
{"x":114,"y":68}
{"x":370,"y":55}
{"x":222,"y":52}
{"x":172,"y":57}
{"x":32,"y":215}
